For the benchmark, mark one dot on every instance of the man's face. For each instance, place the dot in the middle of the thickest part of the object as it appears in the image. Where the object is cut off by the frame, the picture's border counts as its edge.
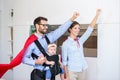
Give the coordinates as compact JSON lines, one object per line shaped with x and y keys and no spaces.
{"x":42,"y":27}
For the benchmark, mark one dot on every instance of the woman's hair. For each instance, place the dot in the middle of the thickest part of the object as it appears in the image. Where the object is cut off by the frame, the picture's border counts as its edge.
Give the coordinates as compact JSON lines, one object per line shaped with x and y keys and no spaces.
{"x":72,"y":25}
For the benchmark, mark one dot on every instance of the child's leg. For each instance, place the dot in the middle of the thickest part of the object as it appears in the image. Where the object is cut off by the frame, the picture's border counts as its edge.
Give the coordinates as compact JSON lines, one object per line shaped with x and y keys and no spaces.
{"x":48,"y":74}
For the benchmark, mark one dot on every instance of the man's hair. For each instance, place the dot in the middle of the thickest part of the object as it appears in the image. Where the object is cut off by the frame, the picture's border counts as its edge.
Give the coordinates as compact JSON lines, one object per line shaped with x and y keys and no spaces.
{"x":38,"y":20}
{"x":52,"y":45}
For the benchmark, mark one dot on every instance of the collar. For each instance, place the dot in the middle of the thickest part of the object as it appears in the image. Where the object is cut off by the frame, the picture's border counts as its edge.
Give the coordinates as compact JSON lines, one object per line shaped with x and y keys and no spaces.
{"x":39,"y":36}
{"x":71,"y":39}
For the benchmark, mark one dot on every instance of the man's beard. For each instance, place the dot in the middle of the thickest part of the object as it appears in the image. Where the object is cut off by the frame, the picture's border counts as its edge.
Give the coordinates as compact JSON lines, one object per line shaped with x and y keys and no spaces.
{"x":43,"y":32}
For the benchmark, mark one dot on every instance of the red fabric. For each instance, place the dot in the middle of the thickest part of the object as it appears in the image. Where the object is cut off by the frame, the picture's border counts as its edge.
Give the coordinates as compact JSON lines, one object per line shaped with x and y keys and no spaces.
{"x":18,"y":59}
{"x":60,"y":56}
{"x":78,"y":44}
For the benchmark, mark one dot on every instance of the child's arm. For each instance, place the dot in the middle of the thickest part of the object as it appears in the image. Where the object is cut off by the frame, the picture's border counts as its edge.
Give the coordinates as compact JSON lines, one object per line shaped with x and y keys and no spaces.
{"x":50,"y":62}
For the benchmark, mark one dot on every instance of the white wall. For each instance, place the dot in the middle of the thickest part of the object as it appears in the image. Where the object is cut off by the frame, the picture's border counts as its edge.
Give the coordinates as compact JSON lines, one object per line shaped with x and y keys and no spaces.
{"x":19,"y":40}
{"x":5,"y":49}
{"x":5,"y":31}
{"x":108,"y":52}
{"x":0,"y":24}
{"x":109,"y":41}
{"x":57,"y":12}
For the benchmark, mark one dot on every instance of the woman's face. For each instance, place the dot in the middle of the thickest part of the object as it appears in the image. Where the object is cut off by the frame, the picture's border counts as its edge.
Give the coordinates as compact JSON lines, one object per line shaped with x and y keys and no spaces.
{"x":74,"y":31}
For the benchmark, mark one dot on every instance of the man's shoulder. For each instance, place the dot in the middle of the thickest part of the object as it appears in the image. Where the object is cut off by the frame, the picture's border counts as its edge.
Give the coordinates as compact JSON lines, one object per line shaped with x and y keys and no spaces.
{"x":30,"y":40}
{"x":32,"y":37}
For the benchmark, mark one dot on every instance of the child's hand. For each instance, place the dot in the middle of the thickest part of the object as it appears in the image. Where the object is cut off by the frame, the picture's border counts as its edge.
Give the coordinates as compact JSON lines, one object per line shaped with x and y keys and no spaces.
{"x":52,"y":62}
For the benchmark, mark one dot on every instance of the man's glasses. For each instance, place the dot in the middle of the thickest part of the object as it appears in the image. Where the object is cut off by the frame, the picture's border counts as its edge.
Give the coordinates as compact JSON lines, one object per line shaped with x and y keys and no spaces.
{"x":44,"y":25}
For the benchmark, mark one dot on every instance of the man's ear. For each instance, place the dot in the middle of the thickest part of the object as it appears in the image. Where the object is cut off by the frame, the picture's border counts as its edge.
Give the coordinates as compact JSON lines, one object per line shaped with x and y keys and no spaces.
{"x":36,"y":26}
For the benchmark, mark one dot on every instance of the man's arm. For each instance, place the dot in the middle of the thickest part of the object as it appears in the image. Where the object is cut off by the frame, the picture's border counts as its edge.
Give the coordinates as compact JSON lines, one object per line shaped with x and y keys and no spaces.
{"x":54,"y":35}
{"x":40,"y":60}
{"x":75,"y":15}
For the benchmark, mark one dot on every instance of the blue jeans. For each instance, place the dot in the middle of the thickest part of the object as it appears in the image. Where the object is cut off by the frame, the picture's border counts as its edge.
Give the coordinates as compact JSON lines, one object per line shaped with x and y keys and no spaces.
{"x":49,"y":75}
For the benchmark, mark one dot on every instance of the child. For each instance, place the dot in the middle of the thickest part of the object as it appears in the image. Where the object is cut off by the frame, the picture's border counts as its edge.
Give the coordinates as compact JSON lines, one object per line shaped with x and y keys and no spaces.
{"x":52,"y":63}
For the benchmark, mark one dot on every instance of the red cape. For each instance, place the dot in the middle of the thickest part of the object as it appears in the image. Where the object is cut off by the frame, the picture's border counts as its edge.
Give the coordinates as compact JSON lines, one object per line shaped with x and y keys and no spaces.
{"x":18,"y":59}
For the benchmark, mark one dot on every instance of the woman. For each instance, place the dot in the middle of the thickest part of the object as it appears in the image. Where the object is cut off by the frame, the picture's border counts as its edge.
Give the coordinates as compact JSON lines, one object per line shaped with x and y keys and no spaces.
{"x":73,"y":58}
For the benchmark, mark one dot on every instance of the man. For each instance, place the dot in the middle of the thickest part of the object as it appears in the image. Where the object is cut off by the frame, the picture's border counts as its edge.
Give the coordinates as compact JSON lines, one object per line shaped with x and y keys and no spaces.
{"x":41,"y":27}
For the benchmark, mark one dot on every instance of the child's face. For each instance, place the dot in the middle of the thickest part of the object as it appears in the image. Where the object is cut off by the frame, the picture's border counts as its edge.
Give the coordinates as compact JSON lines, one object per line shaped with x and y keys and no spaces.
{"x":52,"y":50}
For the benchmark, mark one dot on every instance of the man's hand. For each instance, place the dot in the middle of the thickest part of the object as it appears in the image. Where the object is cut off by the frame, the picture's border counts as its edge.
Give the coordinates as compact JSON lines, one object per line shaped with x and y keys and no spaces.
{"x":40,"y":60}
{"x":75,"y":15}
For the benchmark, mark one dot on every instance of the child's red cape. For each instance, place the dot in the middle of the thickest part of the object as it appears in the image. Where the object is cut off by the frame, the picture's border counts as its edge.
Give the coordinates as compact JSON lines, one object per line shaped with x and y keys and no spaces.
{"x":18,"y":59}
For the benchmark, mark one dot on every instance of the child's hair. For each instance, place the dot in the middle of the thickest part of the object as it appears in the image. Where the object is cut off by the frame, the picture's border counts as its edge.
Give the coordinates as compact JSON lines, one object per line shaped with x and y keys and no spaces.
{"x":52,"y":45}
